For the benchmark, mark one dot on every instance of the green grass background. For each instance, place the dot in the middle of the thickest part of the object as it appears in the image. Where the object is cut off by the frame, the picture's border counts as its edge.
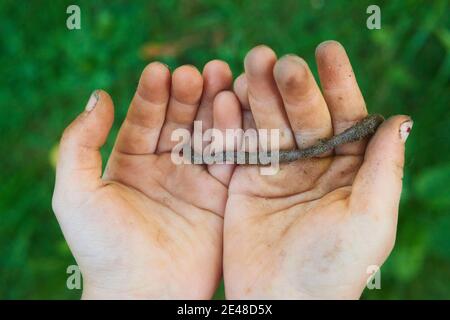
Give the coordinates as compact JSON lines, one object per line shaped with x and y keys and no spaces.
{"x":48,"y":73}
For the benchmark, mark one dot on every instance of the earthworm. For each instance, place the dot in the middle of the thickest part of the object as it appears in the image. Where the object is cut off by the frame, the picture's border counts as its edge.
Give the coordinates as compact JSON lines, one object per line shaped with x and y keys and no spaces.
{"x":360,"y":130}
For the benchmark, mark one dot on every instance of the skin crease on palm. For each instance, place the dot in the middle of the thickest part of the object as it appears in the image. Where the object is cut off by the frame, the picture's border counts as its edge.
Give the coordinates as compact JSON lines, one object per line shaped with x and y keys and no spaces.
{"x":149,"y":228}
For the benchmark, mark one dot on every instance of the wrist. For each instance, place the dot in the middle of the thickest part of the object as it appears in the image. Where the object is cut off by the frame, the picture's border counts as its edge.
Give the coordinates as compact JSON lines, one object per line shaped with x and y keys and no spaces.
{"x":290,"y":293}
{"x":96,"y":293}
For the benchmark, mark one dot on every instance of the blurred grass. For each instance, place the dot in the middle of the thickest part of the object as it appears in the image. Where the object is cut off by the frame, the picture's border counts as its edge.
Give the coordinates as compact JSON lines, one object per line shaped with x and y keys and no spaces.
{"x":48,"y":73}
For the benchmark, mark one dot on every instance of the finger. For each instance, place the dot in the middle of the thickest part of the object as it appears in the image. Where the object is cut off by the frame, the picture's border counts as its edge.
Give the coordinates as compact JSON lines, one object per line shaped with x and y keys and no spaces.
{"x":264,"y":98}
{"x":187,"y":86}
{"x":378,"y":184}
{"x":217,"y":77}
{"x":79,"y":167}
{"x":341,"y":92}
{"x":305,"y":106}
{"x":227,"y":117}
{"x":140,"y":131}
{"x":240,"y":88}
{"x":248,"y":122}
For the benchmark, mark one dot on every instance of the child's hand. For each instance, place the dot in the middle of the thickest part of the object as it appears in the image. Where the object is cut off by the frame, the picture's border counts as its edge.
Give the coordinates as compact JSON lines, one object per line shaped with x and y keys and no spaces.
{"x":313,"y":229}
{"x":148,"y":228}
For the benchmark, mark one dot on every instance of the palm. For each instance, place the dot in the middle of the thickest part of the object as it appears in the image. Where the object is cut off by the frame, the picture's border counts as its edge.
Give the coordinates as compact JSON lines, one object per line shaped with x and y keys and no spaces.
{"x":315,"y":228}
{"x":303,"y":212}
{"x":143,"y":217}
{"x":148,"y":228}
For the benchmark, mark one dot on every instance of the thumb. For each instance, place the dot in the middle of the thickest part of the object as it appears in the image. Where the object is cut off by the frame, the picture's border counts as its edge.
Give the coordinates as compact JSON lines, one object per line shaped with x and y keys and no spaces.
{"x":378,"y":184}
{"x":79,"y":165}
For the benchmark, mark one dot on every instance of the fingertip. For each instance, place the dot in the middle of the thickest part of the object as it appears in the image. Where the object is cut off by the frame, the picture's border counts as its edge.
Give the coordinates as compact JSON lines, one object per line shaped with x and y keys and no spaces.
{"x":105,"y":100}
{"x":291,"y":71}
{"x":92,"y":126}
{"x":155,"y":69}
{"x":79,"y":164}
{"x":405,"y":129}
{"x":387,"y":144}
{"x":217,"y":67}
{"x":240,"y":83}
{"x":154,"y":84}
{"x":380,"y":176}
{"x":240,"y":88}
{"x":334,"y":66}
{"x":396,"y":127}
{"x":260,"y":60}
{"x":328,"y":48}
{"x":396,"y":119}
{"x":217,"y":76}
{"x":187,"y":73}
{"x":187,"y":84}
{"x":227,"y":111}
{"x":103,"y":112}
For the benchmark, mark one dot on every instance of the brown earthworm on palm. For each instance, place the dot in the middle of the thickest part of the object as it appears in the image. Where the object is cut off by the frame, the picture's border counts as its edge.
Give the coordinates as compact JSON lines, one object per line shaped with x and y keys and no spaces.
{"x":360,"y":130}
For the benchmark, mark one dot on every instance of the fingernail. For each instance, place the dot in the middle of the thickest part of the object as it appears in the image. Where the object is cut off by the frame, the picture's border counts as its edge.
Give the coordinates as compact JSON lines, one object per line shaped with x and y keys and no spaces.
{"x":92,"y":102}
{"x":405,"y":129}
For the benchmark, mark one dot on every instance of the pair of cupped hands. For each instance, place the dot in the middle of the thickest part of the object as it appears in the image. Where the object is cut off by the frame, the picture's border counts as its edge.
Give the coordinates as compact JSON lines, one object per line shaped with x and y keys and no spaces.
{"x":150,"y":229}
